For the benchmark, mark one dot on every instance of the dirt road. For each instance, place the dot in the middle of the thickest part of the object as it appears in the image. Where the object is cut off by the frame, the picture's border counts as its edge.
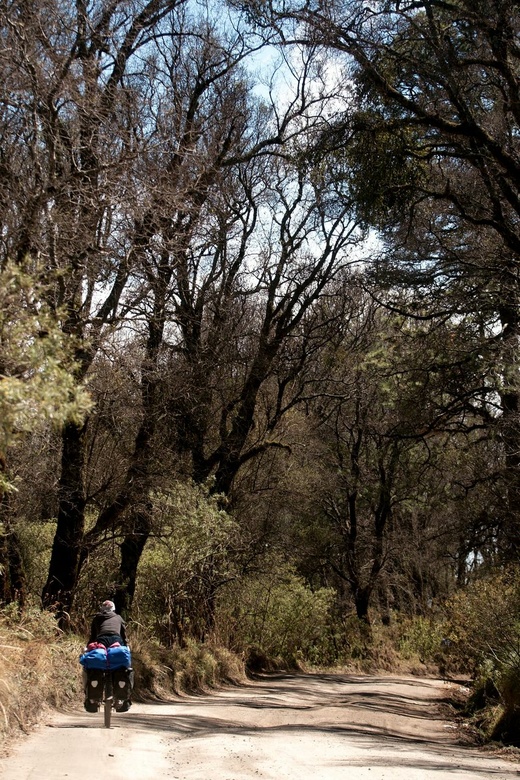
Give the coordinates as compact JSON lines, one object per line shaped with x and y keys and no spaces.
{"x":309,"y":727}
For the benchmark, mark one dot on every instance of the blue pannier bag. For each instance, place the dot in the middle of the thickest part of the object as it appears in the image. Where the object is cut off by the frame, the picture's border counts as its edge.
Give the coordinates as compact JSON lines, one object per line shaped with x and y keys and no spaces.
{"x":119,"y":657}
{"x":94,"y":659}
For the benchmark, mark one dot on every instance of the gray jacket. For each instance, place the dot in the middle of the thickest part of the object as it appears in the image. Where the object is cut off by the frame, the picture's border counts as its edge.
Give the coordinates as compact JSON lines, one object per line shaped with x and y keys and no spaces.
{"x":107,"y":623}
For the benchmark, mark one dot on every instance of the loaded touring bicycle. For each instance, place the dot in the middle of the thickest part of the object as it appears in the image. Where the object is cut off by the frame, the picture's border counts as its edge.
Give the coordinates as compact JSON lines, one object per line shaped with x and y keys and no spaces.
{"x":108,"y":678}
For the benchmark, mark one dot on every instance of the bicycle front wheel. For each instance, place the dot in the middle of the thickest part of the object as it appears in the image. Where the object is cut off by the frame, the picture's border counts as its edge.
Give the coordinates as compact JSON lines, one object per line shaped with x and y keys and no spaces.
{"x":109,"y":700}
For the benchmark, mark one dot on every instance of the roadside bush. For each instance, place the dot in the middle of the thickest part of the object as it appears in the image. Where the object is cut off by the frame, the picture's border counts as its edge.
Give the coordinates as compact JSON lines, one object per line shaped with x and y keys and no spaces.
{"x":199,"y":667}
{"x":183,"y":565}
{"x":277,"y":615}
{"x":484,"y":630}
{"x":379,"y":647}
{"x":35,"y":540}
{"x":422,"y":638}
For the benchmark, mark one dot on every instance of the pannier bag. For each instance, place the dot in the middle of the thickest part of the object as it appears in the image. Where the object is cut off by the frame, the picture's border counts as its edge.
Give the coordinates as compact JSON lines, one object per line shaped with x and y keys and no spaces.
{"x":94,"y":659}
{"x":119,"y":657}
{"x":116,"y":657}
{"x":123,"y":681}
{"x":94,"y":690}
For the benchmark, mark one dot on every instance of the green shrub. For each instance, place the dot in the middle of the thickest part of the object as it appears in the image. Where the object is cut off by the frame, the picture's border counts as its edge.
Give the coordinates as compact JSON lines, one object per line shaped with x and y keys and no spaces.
{"x":36,"y":545}
{"x":370,"y":648}
{"x":161,"y":671}
{"x":183,"y":564}
{"x":422,"y":638}
{"x":485,"y":634}
{"x":278,"y":615}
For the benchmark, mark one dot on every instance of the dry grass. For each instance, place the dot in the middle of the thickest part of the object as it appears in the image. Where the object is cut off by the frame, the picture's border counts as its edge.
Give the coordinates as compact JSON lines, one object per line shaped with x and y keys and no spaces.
{"x":162,"y":672}
{"x":38,"y":668}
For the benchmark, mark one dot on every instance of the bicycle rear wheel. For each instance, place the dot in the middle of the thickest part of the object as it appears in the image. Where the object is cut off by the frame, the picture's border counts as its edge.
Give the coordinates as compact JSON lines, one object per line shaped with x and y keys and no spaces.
{"x":108,"y":712}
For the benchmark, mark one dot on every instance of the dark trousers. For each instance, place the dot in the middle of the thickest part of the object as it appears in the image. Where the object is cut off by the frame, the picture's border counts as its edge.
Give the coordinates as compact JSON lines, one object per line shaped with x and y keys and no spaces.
{"x":109,"y":639}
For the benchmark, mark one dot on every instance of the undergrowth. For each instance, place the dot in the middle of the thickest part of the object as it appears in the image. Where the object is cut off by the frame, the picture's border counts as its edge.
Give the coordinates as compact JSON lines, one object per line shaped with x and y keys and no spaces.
{"x":39,"y":664}
{"x":39,"y":668}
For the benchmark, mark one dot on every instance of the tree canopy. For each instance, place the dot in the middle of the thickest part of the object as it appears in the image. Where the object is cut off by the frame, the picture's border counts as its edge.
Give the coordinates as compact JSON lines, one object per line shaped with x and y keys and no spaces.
{"x":293,"y":303}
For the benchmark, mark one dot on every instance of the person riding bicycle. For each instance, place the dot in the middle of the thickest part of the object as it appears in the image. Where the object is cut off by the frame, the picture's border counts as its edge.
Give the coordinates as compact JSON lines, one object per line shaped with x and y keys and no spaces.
{"x":108,"y":628}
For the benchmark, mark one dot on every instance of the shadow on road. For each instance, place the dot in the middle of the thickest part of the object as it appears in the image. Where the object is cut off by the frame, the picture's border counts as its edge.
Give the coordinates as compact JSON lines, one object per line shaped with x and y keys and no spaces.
{"x":384,"y":715}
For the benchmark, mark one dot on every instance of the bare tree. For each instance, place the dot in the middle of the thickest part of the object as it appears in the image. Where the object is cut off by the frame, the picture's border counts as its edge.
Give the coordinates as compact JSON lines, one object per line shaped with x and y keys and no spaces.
{"x":241,"y":252}
{"x":434,"y":162}
{"x":69,"y":145}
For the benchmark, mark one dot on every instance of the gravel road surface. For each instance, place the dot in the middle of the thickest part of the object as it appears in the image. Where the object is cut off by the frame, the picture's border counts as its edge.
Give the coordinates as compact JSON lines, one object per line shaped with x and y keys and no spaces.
{"x":304,"y":727}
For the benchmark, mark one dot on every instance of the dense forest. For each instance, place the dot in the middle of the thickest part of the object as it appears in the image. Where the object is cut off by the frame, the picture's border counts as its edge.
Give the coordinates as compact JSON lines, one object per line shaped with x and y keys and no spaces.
{"x":259,"y":317}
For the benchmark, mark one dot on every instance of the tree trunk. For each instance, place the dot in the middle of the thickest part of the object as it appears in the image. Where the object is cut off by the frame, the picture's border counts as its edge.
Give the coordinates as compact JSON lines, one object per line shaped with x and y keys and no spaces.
{"x":510,"y":423}
{"x":131,"y":551}
{"x":230,"y":450}
{"x":58,"y":591}
{"x":362,"y":601}
{"x":12,"y":575}
{"x":138,"y":483}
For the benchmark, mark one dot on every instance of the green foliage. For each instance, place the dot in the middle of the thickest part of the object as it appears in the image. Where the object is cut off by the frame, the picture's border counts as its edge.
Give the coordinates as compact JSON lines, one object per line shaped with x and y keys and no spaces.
{"x":277,"y":613}
{"x":484,"y":627}
{"x":385,"y":169}
{"x":185,"y":562}
{"x":37,"y":382}
{"x":198,"y":667}
{"x":483,"y":619}
{"x":29,"y":623}
{"x":422,"y":638}
{"x":35,"y":547}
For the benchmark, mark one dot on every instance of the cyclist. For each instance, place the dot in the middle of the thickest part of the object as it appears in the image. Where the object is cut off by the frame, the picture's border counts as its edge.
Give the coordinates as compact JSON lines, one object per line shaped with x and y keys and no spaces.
{"x":108,"y":628}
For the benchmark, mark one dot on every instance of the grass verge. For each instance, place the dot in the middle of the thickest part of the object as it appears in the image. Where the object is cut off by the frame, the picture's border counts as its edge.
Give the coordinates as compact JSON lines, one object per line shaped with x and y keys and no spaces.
{"x":39,"y":669}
